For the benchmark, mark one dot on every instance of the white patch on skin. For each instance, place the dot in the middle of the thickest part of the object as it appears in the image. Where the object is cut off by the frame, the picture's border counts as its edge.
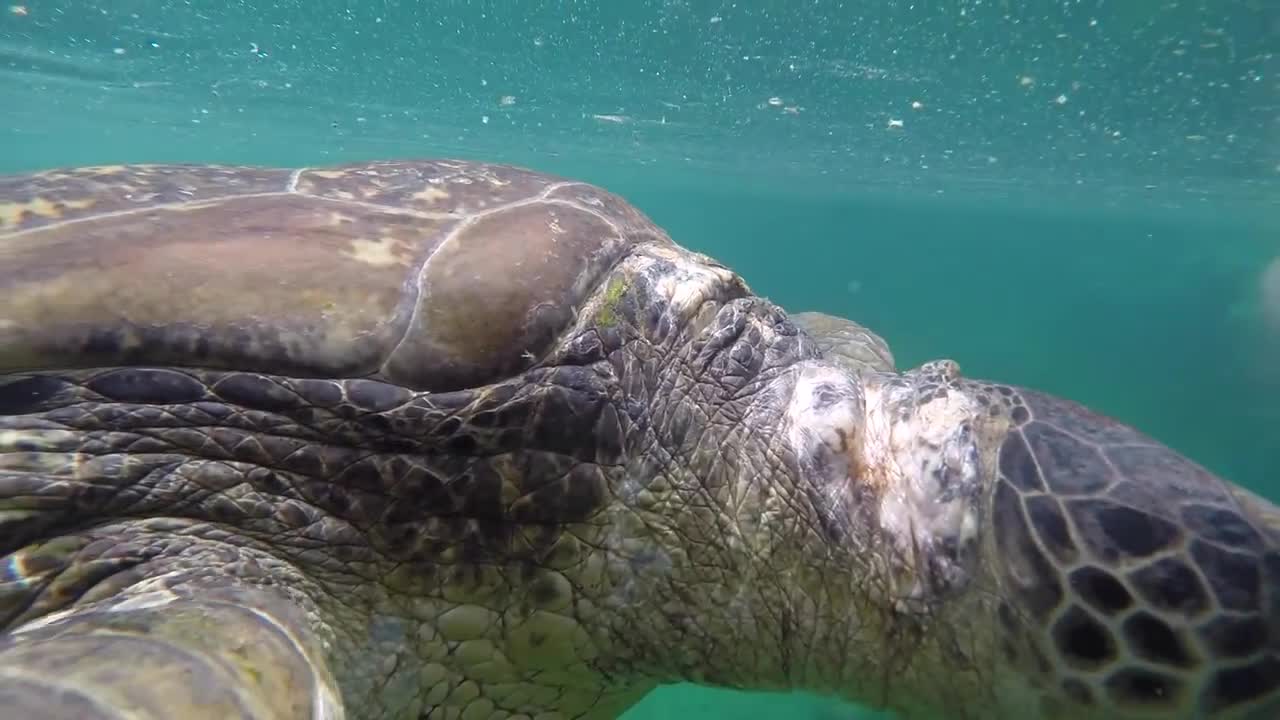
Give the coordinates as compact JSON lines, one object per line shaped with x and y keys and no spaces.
{"x":44,"y":621}
{"x":327,"y":705}
{"x":827,"y":405}
{"x":148,"y":599}
{"x":691,"y":282}
{"x":826,"y":414}
{"x":382,"y":252}
{"x":927,"y":464}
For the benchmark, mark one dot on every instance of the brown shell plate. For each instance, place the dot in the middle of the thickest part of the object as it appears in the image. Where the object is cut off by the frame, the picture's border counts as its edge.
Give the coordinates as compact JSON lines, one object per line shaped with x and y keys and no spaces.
{"x":434,"y":274}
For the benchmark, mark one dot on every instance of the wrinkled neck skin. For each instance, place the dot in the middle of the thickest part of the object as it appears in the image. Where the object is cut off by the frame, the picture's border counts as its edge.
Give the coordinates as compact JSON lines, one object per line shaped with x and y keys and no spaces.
{"x":795,"y":524}
{"x":843,"y":546}
{"x":682,"y":490}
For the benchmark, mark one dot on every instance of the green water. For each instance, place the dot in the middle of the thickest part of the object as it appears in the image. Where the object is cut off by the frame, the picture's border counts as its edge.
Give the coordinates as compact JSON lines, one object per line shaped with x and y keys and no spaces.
{"x":1079,"y":196}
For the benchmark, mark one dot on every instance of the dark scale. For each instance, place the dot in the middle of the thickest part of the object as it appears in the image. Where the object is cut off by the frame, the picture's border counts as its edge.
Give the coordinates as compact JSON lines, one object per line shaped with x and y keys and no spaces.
{"x":1153,"y":640}
{"x":1051,"y":526}
{"x":1169,"y":584}
{"x":1222,"y":526}
{"x":1235,"y":578}
{"x":1114,"y":532}
{"x":1236,"y":685}
{"x":1101,"y":590}
{"x":1018,"y":465}
{"x":1083,"y":641}
{"x":1235,"y":636}
{"x":153,"y":386}
{"x":1070,"y":467}
{"x":251,"y":390}
{"x":1029,"y":575}
{"x":374,"y":396}
{"x":20,"y":395}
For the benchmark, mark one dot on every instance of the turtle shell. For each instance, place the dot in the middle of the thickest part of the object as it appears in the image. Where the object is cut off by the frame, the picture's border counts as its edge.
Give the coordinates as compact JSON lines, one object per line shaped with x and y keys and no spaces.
{"x":434,"y":275}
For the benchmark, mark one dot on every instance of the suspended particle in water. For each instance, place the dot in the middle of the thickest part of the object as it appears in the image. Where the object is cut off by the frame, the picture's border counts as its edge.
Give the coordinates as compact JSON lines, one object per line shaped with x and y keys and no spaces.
{"x":19,"y":10}
{"x":117,"y":51}
{"x":506,"y":100}
{"x":484,"y":119}
{"x":1026,"y":81}
{"x":895,"y":124}
{"x":715,"y":19}
{"x":1061,"y":99}
{"x":917,"y":105}
{"x":775,"y":101}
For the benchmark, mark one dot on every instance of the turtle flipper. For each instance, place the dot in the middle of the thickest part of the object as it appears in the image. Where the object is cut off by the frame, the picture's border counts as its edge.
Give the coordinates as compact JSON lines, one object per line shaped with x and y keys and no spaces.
{"x":160,"y":652}
{"x":845,"y":341}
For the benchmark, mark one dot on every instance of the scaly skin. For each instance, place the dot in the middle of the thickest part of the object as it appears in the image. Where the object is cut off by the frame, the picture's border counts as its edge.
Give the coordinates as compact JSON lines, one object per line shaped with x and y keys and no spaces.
{"x":682,"y":486}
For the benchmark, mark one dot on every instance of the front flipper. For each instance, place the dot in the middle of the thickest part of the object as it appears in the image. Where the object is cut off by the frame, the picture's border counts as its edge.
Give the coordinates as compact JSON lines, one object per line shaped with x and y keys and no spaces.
{"x":1133,"y":583}
{"x":182,"y":645}
{"x":846,"y":342}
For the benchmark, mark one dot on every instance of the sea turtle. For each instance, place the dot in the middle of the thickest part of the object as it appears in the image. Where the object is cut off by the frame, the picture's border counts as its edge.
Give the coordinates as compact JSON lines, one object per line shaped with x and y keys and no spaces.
{"x":447,"y":439}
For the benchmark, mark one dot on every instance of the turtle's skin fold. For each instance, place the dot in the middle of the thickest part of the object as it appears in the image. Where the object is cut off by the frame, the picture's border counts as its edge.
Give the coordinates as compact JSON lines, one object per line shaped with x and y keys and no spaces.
{"x":443,"y":439}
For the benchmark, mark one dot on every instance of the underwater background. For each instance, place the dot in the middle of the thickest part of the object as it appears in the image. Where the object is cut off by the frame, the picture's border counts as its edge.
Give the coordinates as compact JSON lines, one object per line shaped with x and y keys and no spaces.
{"x":1079,"y":196}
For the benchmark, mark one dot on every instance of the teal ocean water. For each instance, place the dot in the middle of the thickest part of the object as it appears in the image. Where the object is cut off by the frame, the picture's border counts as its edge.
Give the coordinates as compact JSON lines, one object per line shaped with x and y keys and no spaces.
{"x":1079,"y":196}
